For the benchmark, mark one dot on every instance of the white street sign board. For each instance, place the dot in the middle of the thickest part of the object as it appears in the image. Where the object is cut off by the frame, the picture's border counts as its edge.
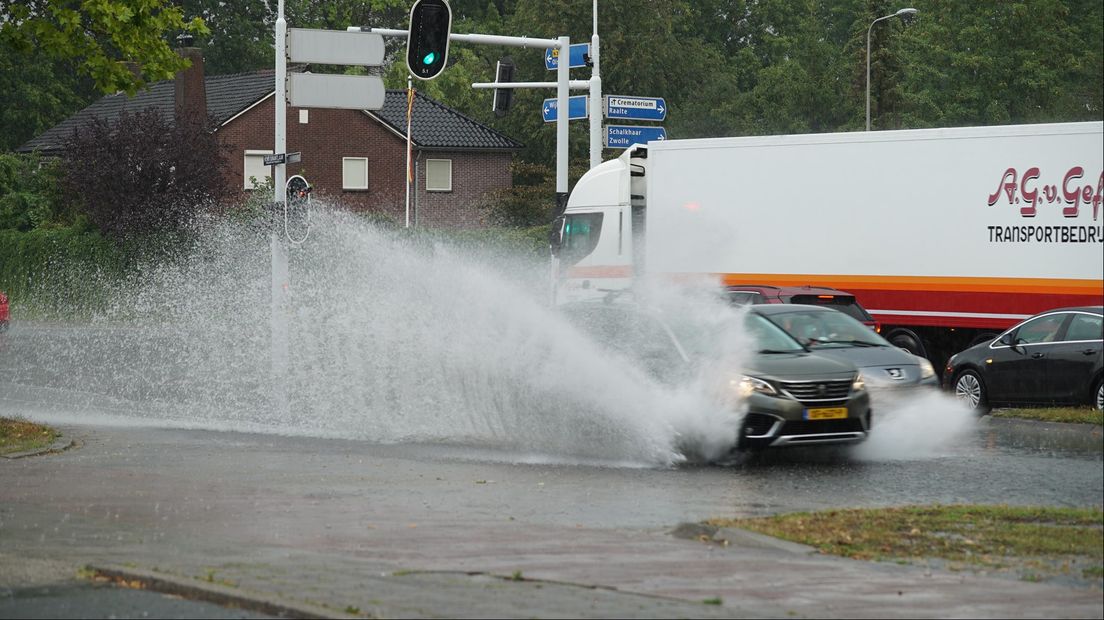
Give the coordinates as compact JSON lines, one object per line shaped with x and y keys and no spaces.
{"x":334,"y":47}
{"x":352,"y":92}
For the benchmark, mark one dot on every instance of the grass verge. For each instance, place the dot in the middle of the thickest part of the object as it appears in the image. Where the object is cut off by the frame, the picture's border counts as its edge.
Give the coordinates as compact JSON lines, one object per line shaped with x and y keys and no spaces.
{"x":1073,"y":415}
{"x":1032,"y":543}
{"x":21,"y":436}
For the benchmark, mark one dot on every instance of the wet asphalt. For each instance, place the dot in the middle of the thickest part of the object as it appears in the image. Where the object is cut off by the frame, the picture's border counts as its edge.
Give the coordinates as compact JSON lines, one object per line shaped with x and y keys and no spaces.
{"x":357,"y":528}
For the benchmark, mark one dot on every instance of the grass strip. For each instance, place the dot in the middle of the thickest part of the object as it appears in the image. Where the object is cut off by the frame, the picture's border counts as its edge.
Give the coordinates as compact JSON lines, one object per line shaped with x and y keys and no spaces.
{"x":21,"y":436}
{"x":1037,"y":542}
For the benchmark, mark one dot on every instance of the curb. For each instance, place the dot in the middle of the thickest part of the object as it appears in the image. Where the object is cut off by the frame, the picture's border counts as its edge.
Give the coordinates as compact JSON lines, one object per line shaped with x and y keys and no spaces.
{"x":219,"y":594}
{"x":60,"y":444}
{"x":736,"y":536}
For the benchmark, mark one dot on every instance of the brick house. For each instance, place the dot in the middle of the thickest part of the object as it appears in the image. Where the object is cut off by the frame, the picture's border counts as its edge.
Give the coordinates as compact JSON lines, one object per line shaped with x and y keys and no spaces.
{"x":353,"y":158}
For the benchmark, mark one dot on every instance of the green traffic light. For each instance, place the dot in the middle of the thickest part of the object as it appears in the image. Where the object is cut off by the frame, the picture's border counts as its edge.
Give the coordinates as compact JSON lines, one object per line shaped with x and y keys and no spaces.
{"x":429,"y":58}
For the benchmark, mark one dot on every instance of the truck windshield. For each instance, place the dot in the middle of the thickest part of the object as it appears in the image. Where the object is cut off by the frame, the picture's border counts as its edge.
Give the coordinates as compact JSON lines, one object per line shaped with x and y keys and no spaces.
{"x":580,"y":236}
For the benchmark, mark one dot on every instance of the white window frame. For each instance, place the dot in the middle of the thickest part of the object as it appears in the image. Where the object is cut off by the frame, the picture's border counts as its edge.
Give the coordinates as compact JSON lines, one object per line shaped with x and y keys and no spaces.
{"x":344,"y":183}
{"x":438,"y":189}
{"x":267,"y":176}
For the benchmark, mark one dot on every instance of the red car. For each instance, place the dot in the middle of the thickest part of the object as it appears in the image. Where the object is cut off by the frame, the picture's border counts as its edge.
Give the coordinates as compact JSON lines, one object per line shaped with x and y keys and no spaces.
{"x":3,"y":311}
{"x":808,"y":295}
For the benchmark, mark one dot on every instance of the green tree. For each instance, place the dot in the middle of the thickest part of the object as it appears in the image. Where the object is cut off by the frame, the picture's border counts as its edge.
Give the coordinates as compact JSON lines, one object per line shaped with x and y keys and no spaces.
{"x":36,"y":93}
{"x":120,"y":44}
{"x":1001,"y":63}
{"x":30,"y":193}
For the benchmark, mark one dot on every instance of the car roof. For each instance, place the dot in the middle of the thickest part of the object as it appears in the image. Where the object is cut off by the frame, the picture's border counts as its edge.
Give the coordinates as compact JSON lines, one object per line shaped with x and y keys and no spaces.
{"x":1090,"y":309}
{"x":789,"y":290}
{"x":771,"y":309}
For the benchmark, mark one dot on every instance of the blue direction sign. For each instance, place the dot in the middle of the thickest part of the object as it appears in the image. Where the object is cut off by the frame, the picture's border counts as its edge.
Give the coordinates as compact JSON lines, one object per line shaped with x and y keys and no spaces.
{"x":579,"y":51}
{"x":624,"y":136}
{"x":576,"y":108}
{"x":635,"y":108}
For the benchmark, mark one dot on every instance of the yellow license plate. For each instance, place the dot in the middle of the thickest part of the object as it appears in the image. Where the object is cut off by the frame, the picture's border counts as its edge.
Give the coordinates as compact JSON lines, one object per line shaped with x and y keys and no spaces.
{"x":826,"y":413}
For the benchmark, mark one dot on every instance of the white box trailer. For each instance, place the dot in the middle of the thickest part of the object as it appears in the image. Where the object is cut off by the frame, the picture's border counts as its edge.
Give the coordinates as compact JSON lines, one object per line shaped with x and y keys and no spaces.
{"x":946,"y":236}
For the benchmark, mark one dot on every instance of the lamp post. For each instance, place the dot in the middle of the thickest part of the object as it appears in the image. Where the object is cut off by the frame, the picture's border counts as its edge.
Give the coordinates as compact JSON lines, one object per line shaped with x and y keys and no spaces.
{"x":904,"y":14}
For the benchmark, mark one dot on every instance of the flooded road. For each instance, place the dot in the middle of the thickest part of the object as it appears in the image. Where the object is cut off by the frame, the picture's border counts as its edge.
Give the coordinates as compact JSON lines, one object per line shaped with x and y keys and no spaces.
{"x":415,"y":530}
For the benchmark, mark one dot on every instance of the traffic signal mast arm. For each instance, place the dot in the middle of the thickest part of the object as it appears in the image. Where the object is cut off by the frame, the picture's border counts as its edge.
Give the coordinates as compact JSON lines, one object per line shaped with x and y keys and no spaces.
{"x":485,"y":39}
{"x":563,"y":78}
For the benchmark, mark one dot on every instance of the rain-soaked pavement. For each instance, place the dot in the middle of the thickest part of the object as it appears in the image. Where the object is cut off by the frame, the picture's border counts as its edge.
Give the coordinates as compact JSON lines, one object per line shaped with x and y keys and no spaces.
{"x":421,"y":531}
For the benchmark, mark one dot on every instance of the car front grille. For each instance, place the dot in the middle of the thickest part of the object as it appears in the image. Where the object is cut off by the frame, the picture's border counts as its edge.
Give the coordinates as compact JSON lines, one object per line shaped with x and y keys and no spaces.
{"x":818,"y":391}
{"x":821,"y":427}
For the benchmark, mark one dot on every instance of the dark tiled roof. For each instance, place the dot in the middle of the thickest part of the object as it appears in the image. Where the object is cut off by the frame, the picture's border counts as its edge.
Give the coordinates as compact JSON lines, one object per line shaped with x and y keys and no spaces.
{"x":434,"y":125}
{"x":227,"y":95}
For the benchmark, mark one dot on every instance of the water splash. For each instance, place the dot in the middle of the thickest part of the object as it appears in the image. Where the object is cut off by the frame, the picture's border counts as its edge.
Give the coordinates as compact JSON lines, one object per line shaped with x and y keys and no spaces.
{"x":396,"y":338}
{"x":915,"y":424}
{"x":392,"y":338}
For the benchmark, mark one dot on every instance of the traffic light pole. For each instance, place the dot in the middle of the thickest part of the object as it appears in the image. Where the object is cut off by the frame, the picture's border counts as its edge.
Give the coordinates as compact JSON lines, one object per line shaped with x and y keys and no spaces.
{"x":278,"y":251}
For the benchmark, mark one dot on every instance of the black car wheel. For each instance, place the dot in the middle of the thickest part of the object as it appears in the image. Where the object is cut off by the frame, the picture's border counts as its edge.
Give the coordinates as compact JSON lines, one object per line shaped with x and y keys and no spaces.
{"x":908,"y":340}
{"x":1099,"y":392}
{"x":970,"y":390}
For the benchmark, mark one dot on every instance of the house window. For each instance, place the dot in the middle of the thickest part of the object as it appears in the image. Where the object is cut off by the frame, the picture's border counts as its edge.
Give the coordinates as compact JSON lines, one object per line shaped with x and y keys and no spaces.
{"x":354,"y":173}
{"x":439,"y":175}
{"x":256,"y":173}
{"x":304,"y":117}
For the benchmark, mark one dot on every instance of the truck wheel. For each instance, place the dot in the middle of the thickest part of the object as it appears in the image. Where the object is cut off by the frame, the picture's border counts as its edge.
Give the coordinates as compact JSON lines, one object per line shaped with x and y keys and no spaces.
{"x":983,"y":337}
{"x":969,"y":389}
{"x":908,"y":340}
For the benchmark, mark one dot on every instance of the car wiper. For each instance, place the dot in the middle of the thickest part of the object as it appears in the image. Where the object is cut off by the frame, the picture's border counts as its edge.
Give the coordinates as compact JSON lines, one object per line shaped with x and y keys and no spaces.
{"x":854,"y":343}
{"x":773,"y":351}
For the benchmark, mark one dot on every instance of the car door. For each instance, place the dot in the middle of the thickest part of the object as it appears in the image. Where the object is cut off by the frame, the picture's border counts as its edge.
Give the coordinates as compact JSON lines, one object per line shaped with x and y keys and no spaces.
{"x":1072,"y":361}
{"x":1018,"y":370}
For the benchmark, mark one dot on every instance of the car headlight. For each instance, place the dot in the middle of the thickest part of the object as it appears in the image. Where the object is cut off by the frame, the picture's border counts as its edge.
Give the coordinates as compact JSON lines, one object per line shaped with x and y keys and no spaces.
{"x":858,"y":384}
{"x":926,"y":369}
{"x":745,"y":386}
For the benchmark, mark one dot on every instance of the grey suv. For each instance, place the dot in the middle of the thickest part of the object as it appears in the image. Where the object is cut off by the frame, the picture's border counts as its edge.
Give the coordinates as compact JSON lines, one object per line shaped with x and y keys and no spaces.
{"x":793,"y":396}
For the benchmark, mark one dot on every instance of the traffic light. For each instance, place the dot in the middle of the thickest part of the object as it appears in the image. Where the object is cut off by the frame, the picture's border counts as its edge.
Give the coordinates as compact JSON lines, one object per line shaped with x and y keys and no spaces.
{"x":297,"y":192}
{"x":504,"y":72}
{"x":428,"y":41}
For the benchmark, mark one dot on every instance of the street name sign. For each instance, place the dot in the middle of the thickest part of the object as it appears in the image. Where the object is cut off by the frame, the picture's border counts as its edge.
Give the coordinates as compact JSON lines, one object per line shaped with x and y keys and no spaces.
{"x":334,"y":47}
{"x":275,"y":159}
{"x":635,"y":108}
{"x":624,"y":136}
{"x":576,"y":108}
{"x":577,"y":57}
{"x":350,"y":92}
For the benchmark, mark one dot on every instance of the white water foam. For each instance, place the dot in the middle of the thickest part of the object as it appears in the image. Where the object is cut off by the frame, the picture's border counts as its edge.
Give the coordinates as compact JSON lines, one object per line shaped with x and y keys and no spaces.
{"x":391,"y":339}
{"x":915,"y":424}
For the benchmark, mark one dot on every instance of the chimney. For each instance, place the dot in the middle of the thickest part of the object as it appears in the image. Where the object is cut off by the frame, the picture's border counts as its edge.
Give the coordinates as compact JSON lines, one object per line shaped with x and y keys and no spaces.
{"x":188,"y":87}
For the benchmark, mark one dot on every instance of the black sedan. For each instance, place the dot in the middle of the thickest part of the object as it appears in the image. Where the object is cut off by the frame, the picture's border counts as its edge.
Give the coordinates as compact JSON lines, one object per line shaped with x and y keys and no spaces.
{"x":1052,"y":358}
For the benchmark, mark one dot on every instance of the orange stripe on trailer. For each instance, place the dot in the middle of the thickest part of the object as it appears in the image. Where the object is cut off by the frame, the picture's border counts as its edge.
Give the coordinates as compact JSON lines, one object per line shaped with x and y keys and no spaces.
{"x":601,"y":271}
{"x":923,"y":283}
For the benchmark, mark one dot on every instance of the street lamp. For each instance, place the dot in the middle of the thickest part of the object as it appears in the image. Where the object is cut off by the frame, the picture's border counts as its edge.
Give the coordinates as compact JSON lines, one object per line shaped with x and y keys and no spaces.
{"x":904,"y":14}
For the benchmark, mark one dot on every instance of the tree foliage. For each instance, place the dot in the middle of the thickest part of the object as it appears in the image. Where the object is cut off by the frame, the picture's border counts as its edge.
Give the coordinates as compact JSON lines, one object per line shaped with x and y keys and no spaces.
{"x":725,"y":67}
{"x":120,"y":44}
{"x":142,"y":172}
{"x":30,"y":193}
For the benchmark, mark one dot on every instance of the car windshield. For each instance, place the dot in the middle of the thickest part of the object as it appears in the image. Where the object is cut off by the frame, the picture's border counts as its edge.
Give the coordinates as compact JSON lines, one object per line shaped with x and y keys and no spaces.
{"x":670,"y":347}
{"x":823,"y":329}
{"x":632,"y":334}
{"x":844,"y":303}
{"x":702,"y":343}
